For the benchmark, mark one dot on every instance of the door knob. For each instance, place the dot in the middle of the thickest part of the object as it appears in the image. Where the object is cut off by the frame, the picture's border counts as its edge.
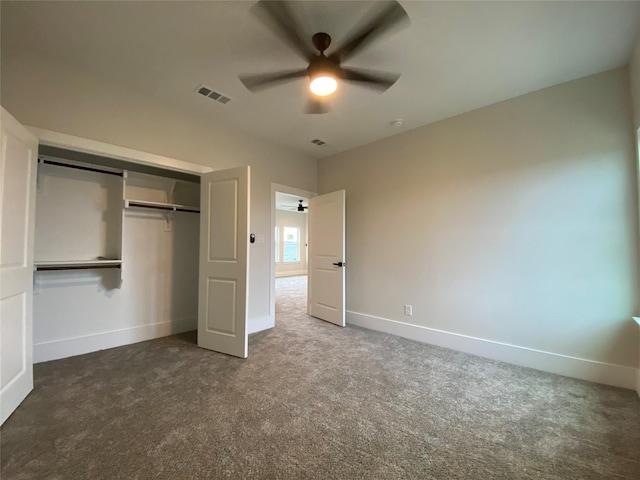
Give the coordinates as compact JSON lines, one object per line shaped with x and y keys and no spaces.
{"x":340,"y":264}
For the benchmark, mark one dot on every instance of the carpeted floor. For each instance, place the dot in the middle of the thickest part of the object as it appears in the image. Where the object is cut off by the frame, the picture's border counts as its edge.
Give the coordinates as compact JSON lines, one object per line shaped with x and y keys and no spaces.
{"x":314,"y":401}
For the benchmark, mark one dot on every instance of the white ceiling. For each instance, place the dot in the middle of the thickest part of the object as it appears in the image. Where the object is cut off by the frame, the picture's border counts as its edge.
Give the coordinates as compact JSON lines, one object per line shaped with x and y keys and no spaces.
{"x":454,"y":57}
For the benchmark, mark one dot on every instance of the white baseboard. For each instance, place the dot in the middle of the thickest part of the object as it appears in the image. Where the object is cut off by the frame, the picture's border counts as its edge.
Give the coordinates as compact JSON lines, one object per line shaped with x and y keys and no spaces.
{"x":599,"y":372}
{"x":258,"y":324}
{"x":43,"y":352}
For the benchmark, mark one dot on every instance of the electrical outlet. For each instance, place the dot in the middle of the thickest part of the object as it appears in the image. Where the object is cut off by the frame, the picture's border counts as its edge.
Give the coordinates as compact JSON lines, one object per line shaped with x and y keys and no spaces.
{"x":408,"y":310}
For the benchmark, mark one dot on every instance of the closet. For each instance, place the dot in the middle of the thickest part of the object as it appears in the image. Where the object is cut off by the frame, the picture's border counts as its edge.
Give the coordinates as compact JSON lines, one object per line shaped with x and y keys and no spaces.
{"x":116,"y":253}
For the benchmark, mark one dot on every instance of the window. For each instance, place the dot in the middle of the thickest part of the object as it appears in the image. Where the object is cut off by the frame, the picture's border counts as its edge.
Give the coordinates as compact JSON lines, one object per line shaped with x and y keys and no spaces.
{"x":287,"y":244}
{"x":291,"y":244}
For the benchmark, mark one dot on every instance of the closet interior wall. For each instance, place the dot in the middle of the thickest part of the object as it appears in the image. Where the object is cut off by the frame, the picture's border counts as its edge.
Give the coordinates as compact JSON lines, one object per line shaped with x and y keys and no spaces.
{"x":81,"y":217}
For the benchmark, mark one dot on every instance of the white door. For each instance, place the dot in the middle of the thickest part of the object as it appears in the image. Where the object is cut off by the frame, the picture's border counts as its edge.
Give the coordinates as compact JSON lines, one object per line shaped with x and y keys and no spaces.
{"x":17,"y":216}
{"x":224,"y":261}
{"x":327,"y":262}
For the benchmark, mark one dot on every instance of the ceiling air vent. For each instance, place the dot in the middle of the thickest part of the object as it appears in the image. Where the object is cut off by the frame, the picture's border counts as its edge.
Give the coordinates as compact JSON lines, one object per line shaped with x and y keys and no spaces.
{"x":318,"y":142}
{"x":218,"y":97}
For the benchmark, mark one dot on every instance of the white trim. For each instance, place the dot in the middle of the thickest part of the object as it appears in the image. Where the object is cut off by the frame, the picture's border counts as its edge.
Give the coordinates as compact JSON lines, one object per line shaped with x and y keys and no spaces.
{"x":258,"y":324}
{"x":62,"y":140}
{"x":599,"y":372}
{"x":43,"y":352}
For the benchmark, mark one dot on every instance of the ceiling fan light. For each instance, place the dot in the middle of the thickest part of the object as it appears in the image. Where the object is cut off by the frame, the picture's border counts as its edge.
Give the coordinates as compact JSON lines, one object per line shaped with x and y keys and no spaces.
{"x":323,"y":85}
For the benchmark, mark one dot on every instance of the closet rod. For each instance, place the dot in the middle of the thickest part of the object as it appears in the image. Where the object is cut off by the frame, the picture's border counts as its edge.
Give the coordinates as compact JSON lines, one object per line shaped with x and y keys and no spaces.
{"x":41,"y":268}
{"x":133,"y":203}
{"x":79,"y":167}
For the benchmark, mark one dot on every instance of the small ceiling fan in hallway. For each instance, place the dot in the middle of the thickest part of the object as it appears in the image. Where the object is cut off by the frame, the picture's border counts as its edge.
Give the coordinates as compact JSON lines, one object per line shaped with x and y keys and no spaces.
{"x":325,"y":71}
{"x":299,"y":208}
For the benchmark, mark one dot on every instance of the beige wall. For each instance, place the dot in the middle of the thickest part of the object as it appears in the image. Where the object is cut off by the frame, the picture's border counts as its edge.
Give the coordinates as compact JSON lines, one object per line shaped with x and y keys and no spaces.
{"x":44,"y":94}
{"x":515,"y":223}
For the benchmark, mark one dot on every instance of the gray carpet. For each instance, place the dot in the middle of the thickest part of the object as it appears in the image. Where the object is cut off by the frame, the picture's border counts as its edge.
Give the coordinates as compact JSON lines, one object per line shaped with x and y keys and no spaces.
{"x":314,"y":401}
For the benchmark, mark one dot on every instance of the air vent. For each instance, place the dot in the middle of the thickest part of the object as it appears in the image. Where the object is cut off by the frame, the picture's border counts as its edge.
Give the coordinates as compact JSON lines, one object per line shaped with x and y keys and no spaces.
{"x":217,"y":96}
{"x":318,"y":142}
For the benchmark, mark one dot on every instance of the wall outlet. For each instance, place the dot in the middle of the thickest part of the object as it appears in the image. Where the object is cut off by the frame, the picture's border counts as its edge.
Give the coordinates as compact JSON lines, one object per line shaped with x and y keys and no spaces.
{"x":408,"y":310}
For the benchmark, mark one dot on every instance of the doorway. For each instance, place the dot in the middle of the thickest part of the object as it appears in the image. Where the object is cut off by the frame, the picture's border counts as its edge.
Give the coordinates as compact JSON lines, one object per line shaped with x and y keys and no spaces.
{"x":289,"y":249}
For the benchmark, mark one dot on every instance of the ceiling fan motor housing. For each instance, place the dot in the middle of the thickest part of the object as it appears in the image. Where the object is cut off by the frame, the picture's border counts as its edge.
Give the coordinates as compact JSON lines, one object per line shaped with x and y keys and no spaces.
{"x":321,"y":66}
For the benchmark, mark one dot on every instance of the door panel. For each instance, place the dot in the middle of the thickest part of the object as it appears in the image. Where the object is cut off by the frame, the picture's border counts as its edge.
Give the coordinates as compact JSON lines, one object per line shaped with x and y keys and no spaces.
{"x":326,"y":249}
{"x":17,"y":215}
{"x":13,"y":326}
{"x":223,"y":203}
{"x":221,"y":312}
{"x":224,"y":261}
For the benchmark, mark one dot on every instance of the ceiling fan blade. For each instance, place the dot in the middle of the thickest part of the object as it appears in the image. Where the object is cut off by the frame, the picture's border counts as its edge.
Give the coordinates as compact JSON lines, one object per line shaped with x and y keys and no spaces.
{"x":316,"y":106}
{"x":263,"y":80}
{"x":391,"y":14}
{"x":369,"y":78}
{"x":277,"y":16}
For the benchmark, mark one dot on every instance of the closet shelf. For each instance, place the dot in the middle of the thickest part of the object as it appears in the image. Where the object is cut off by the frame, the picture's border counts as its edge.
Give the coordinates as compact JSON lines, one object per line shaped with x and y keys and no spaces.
{"x":160,"y":206}
{"x":76,"y":264}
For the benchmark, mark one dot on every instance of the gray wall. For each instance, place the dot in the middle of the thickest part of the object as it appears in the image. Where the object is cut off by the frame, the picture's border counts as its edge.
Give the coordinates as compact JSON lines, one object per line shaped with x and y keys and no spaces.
{"x":515,"y":223}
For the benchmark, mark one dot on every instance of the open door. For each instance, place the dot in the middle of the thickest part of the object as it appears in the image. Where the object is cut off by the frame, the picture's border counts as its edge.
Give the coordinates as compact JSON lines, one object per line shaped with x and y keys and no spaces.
{"x":17,"y":217}
{"x":224,"y":261}
{"x":327,"y":263}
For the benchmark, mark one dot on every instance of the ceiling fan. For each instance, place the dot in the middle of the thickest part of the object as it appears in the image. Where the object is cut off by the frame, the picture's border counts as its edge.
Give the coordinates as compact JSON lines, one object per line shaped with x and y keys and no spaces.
{"x":299,"y":207}
{"x":324,"y":72}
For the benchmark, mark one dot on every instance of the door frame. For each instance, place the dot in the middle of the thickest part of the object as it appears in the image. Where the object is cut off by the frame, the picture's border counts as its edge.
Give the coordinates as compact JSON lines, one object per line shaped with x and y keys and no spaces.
{"x":92,"y":147}
{"x":84,"y":145}
{"x":275,"y":187}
